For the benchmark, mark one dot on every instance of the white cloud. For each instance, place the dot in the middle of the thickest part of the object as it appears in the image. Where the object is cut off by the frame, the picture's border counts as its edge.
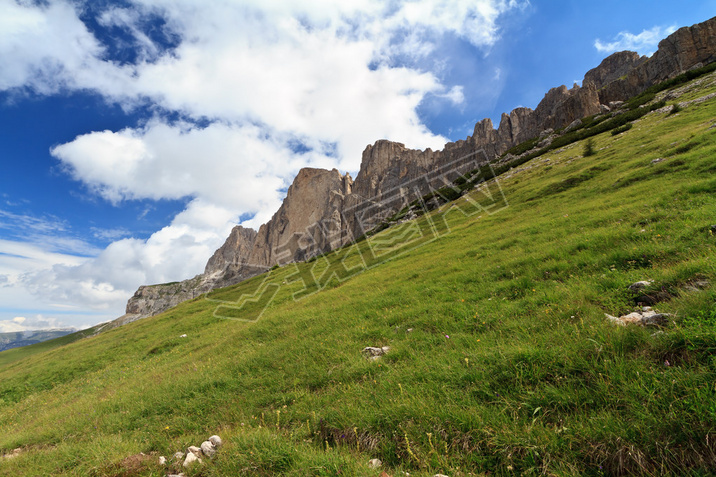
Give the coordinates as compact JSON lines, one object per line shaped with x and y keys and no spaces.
{"x":643,"y":43}
{"x":43,"y":47}
{"x":33,"y":323}
{"x":261,"y":77}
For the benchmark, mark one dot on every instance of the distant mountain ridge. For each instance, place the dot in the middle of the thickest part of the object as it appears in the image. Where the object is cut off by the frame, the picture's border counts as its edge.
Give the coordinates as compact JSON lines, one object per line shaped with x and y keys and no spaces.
{"x":316,"y":216}
{"x":24,"y":338}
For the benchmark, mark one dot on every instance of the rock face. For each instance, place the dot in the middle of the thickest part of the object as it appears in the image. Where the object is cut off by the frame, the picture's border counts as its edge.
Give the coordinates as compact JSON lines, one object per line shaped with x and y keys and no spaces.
{"x":309,"y":221}
{"x":612,"y":68}
{"x":687,"y":48}
{"x":324,"y":209}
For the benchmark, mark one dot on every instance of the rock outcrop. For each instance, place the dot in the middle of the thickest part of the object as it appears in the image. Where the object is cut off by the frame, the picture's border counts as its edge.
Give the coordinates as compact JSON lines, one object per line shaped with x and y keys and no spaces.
{"x":612,"y":68}
{"x":309,"y":221}
{"x":687,"y":48}
{"x":324,"y":209}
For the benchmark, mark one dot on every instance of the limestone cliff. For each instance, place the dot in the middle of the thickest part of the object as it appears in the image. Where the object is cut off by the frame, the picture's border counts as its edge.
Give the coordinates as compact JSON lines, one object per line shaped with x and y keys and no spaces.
{"x":319,"y":211}
{"x":612,"y":68}
{"x":308,"y":222}
{"x":687,"y":48}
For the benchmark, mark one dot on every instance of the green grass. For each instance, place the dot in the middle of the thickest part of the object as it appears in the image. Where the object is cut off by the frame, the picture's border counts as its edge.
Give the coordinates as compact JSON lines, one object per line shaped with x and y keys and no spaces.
{"x":16,"y":354}
{"x":510,"y":367}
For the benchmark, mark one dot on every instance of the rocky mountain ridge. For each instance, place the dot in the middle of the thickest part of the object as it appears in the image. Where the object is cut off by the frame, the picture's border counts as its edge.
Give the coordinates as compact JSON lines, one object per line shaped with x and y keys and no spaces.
{"x":17,"y":339}
{"x":319,"y":211}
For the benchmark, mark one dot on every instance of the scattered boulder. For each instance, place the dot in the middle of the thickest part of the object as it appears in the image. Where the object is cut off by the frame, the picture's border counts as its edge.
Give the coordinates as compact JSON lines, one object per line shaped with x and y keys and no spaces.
{"x":194,"y":454}
{"x":373,"y":353}
{"x":546,"y":133}
{"x":696,"y":285}
{"x":603,"y":108}
{"x":374,"y":463}
{"x":13,"y":454}
{"x":573,"y":125}
{"x":645,"y":317}
{"x":190,"y":459}
{"x":657,"y":160}
{"x":208,"y":448}
{"x":640,"y":285}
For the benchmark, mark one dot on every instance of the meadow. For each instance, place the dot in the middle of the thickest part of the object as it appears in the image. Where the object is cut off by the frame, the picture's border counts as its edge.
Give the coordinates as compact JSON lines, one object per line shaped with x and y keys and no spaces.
{"x":501,"y":359}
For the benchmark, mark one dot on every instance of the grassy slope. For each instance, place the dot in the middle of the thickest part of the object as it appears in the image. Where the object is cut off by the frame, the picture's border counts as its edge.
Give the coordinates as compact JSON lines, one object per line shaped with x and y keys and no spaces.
{"x":511,"y":366}
{"x":16,"y":354}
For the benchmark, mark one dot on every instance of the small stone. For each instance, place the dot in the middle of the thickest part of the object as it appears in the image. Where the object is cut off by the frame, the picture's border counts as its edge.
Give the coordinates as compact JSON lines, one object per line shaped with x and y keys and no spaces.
{"x":640,"y":285}
{"x":216,"y":440}
{"x":373,"y":353}
{"x":190,"y":459}
{"x":208,"y":448}
{"x":178,"y":456}
{"x":374,"y":463}
{"x":162,"y":460}
{"x":410,"y":330}
{"x":657,"y":319}
{"x":183,"y":336}
{"x":643,"y":318}
{"x":440,"y":475}
{"x":657,"y":160}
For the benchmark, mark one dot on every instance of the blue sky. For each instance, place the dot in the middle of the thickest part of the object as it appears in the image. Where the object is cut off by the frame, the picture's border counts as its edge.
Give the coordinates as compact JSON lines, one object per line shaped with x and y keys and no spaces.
{"x":134,"y":134}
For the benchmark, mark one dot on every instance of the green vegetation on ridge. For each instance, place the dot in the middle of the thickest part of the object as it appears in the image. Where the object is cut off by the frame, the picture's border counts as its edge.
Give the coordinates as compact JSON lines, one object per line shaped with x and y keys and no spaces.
{"x":510,"y":366}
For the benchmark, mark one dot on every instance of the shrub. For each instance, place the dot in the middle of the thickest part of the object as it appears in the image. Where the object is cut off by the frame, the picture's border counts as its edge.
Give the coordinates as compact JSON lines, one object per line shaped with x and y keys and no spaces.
{"x":589,"y":148}
{"x":622,"y":129}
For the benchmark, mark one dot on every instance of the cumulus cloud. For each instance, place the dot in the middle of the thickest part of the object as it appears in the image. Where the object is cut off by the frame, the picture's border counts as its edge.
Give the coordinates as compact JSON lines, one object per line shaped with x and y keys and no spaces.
{"x":262,"y":88}
{"x":644,"y":42}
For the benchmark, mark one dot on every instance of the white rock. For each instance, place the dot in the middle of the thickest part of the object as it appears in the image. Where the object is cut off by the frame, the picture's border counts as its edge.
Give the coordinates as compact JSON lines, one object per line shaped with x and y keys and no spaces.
{"x":183,"y":336}
{"x":373,"y":353}
{"x":162,"y":460}
{"x":374,"y":463}
{"x":639,"y":285}
{"x":643,"y":318}
{"x":190,"y":459}
{"x":216,"y":440}
{"x":208,"y":448}
{"x":440,"y":475}
{"x":178,"y":456}
{"x":194,"y":450}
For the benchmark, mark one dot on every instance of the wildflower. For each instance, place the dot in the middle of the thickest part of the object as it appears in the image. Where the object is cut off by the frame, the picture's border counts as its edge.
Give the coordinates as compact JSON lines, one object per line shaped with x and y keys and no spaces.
{"x":666,"y":363}
{"x":447,"y":336}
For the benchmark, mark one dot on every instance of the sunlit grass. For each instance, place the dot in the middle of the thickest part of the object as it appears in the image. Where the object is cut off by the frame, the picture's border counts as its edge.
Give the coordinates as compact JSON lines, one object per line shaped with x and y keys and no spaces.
{"x":501,"y":359}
